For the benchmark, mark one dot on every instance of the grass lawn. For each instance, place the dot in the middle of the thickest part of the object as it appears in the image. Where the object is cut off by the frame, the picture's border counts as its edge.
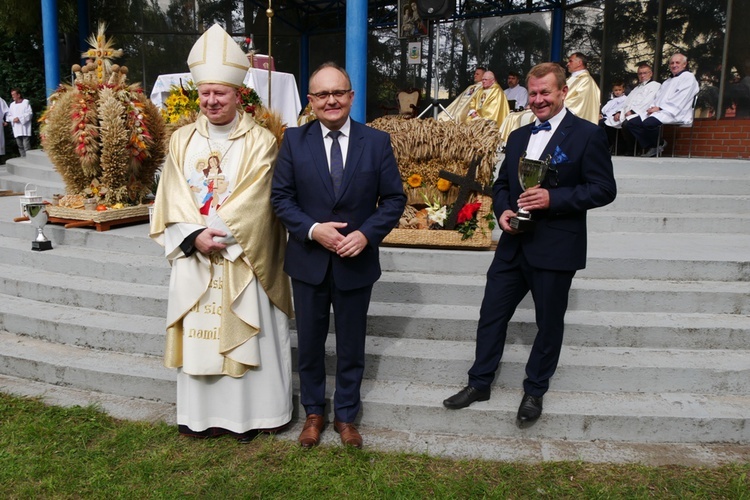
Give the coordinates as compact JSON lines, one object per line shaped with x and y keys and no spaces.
{"x":53,"y":452}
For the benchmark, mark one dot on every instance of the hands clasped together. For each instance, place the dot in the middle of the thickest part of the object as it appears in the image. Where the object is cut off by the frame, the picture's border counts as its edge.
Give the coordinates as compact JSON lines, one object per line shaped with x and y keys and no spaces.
{"x":328,"y":235}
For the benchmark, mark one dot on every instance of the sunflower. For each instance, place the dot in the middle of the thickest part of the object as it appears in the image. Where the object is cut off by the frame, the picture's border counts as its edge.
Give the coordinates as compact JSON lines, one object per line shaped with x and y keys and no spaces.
{"x":443,"y":185}
{"x":414,"y":180}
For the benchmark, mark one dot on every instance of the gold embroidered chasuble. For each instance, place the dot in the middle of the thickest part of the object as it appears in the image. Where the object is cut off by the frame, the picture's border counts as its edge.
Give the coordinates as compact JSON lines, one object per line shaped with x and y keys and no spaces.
{"x":459,"y":108}
{"x":583,"y":97}
{"x":490,"y":104}
{"x":248,"y":215}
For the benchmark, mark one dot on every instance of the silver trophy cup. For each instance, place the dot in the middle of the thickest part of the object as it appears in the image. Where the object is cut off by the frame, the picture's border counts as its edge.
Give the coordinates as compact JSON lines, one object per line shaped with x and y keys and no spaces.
{"x":37,"y":214}
{"x":530,"y":173}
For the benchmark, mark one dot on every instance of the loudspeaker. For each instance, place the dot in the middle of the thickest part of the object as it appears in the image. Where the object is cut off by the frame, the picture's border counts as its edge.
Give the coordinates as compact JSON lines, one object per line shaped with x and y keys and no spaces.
{"x":435,"y":9}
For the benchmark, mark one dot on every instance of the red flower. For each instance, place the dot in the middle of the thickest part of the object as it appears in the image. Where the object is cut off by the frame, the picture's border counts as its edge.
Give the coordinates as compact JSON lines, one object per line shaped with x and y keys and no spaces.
{"x":468,"y":212}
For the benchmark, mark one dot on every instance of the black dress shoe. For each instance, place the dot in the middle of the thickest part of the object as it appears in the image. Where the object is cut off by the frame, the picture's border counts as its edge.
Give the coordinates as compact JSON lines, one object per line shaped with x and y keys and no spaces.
{"x":465,"y":397}
{"x":247,"y":437}
{"x":530,"y":409}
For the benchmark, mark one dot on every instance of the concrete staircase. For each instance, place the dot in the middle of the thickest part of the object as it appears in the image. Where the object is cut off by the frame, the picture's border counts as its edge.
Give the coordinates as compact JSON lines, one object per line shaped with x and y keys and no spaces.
{"x":655,"y":368}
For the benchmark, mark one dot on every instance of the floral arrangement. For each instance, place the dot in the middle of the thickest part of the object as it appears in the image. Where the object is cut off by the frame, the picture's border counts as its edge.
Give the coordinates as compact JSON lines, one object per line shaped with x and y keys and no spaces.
{"x":425,"y":148}
{"x":182,"y":108}
{"x":103,"y":136}
{"x":181,"y":104}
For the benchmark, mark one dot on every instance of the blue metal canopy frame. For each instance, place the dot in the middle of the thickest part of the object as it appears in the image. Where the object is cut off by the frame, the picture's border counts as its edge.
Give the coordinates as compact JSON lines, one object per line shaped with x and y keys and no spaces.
{"x":354,"y":17}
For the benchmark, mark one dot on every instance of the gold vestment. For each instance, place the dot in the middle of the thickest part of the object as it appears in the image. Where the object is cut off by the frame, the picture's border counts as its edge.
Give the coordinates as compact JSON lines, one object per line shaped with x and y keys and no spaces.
{"x":583,"y":97}
{"x":247,"y":212}
{"x":490,"y":104}
{"x":459,"y":108}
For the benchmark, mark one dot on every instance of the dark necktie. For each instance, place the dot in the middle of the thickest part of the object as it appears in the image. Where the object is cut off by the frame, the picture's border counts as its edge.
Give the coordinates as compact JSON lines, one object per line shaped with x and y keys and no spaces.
{"x":337,"y":161}
{"x":541,"y":126}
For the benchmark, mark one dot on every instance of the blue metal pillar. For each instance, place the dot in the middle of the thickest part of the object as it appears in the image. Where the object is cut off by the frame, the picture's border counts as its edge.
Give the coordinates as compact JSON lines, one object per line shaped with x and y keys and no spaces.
{"x":356,"y":55}
{"x":558,"y":32}
{"x":304,"y":67}
{"x":83,"y":26}
{"x":51,"y":46}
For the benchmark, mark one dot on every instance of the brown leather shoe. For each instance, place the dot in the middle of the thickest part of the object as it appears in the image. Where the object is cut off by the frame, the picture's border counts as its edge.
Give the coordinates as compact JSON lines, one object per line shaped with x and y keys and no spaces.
{"x":350,"y":436}
{"x":310,"y":435}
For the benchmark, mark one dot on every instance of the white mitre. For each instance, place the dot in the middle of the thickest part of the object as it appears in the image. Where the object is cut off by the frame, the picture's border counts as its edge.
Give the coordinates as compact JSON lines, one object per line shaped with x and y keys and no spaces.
{"x":216,"y":58}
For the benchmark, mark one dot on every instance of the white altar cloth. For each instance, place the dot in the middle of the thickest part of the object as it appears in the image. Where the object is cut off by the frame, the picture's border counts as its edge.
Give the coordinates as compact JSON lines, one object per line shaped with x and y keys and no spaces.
{"x":284,"y":92}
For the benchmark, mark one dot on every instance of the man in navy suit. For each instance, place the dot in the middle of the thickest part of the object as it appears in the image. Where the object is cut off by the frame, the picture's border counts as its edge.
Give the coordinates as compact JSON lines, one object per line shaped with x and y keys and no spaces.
{"x":544,"y":260}
{"x":337,"y":212}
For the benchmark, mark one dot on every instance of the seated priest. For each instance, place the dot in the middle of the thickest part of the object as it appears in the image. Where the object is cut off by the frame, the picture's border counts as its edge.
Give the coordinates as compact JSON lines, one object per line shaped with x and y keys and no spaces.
{"x":583,"y":97}
{"x":459,"y":108}
{"x":673,"y":103}
{"x":490,"y":103}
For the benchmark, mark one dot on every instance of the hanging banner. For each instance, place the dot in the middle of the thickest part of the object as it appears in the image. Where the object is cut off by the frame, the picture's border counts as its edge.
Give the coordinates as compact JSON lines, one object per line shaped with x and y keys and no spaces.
{"x":415,"y":53}
{"x":410,"y":25}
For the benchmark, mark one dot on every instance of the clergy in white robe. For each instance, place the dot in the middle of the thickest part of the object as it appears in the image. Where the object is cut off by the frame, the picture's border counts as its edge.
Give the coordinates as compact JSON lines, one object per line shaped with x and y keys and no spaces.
{"x":3,"y":111}
{"x":612,"y":107}
{"x":673,"y":103}
{"x":229,"y":299}
{"x":640,"y":98}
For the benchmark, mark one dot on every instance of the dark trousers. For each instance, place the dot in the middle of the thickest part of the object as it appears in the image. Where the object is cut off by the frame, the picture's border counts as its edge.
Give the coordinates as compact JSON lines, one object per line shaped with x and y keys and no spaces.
{"x":646,"y":132}
{"x":507,"y":284}
{"x":312,"y":304}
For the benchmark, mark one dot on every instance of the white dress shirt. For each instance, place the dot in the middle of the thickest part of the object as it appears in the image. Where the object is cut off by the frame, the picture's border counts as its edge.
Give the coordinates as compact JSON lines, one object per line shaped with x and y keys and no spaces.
{"x":538,"y":142}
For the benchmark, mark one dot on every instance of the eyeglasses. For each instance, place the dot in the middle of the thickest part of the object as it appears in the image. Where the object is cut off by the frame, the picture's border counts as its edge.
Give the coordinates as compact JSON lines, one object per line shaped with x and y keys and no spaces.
{"x":337,"y":94}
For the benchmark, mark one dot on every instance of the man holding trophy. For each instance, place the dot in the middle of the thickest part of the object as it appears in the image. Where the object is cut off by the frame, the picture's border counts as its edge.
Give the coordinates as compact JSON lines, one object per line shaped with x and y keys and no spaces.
{"x":554,"y":170}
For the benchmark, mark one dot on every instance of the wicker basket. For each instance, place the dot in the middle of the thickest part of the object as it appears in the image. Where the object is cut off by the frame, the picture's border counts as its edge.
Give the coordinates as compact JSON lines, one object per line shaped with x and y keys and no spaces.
{"x":96,"y":215}
{"x":431,"y":238}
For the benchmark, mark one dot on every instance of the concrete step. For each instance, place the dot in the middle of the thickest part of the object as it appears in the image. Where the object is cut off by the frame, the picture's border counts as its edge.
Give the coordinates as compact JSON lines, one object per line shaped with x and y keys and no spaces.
{"x":125,"y":240}
{"x":685,"y":184}
{"x":578,"y":416}
{"x":119,"y":407}
{"x":405,"y":405}
{"x":130,"y":375}
{"x":677,"y":256}
{"x":657,"y":330}
{"x":80,"y":291}
{"x":45,"y":188}
{"x":81,"y":327}
{"x":681,"y":176}
{"x":34,"y":170}
{"x":609,"y":369}
{"x":24,"y":312}
{"x":713,"y":297}
{"x":101,"y":282}
{"x":421,"y":439}
{"x":618,"y":255}
{"x":667,"y":222}
{"x":680,"y":203}
{"x":109,"y":264}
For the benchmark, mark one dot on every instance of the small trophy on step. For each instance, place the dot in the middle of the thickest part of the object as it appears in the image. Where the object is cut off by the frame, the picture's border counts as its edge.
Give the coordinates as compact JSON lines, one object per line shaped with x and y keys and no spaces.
{"x":37,"y":214}
{"x":530,"y":173}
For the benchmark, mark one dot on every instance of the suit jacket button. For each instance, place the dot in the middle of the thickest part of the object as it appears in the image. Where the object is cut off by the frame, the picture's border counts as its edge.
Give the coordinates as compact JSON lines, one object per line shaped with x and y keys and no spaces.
{"x":335,"y":211}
